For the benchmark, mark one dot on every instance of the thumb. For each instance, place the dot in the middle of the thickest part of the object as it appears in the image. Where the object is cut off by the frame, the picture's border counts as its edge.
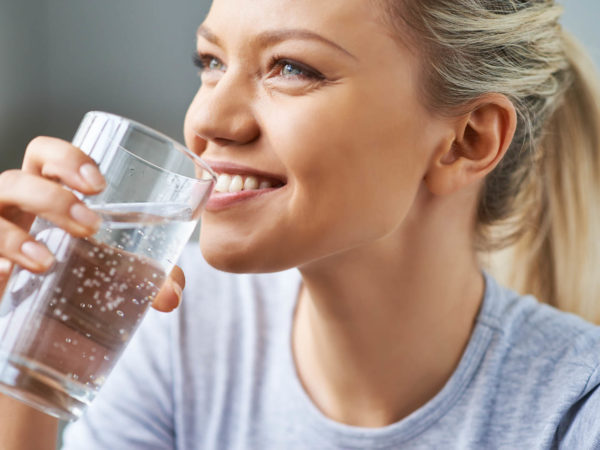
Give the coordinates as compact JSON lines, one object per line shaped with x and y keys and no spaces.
{"x":5,"y":270}
{"x":169,"y":296}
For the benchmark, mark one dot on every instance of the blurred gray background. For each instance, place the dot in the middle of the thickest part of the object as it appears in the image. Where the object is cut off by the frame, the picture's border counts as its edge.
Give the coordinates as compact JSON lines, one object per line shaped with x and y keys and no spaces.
{"x":61,"y":58}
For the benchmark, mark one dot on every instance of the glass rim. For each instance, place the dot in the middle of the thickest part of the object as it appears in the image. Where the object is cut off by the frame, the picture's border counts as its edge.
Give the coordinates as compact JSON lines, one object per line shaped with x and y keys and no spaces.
{"x":180,"y":147}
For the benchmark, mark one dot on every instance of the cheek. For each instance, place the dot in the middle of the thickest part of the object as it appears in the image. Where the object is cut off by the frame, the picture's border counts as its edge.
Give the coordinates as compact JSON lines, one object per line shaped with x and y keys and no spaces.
{"x":355,"y":166}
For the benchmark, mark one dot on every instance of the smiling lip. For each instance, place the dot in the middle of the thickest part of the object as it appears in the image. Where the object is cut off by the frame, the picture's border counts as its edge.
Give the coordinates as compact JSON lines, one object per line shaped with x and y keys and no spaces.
{"x":238,"y":169}
{"x":222,"y":200}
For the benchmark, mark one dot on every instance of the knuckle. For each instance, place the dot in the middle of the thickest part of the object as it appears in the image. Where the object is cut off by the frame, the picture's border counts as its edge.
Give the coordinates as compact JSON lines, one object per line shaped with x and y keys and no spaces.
{"x":9,"y":178}
{"x":35,"y":143}
{"x":11,"y":239}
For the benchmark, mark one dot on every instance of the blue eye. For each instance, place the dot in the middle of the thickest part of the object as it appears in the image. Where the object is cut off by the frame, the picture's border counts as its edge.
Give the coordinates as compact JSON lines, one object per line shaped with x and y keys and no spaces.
{"x":295,"y":70}
{"x":290,"y":69}
{"x":215,"y":64}
{"x":206,"y":62}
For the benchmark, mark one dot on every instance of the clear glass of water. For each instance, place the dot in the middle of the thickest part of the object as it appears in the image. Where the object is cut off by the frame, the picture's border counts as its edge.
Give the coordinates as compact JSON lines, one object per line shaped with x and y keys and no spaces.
{"x":61,"y":332}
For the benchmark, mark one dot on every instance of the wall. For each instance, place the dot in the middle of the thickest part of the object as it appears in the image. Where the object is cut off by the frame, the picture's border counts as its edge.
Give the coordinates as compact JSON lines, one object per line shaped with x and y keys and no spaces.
{"x":23,"y":68}
{"x":128,"y":57}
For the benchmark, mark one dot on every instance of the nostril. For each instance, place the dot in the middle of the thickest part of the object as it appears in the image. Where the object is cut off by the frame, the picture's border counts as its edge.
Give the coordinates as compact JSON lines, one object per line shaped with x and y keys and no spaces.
{"x":222,"y":142}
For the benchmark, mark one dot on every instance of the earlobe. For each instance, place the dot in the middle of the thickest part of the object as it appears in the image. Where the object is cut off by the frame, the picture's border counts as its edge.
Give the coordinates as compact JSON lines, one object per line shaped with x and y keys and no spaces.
{"x":480,"y":140}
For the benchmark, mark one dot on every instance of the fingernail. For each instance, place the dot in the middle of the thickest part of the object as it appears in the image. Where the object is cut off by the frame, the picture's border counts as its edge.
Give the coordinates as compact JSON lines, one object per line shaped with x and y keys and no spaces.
{"x":5,"y":266}
{"x":85,"y":216}
{"x":178,"y":291}
{"x":92,"y":176}
{"x":37,"y":253}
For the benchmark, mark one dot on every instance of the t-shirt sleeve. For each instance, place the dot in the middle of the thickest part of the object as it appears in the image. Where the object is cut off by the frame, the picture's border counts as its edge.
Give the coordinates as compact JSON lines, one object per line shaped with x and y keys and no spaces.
{"x":134,"y":408}
{"x":581,"y":427}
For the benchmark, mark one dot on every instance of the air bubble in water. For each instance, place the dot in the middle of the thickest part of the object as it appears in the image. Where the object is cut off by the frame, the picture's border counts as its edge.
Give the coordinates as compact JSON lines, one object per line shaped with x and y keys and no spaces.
{"x":79,"y":290}
{"x":64,"y":317}
{"x":120,"y":313}
{"x":106,"y":358}
{"x":68,"y":340}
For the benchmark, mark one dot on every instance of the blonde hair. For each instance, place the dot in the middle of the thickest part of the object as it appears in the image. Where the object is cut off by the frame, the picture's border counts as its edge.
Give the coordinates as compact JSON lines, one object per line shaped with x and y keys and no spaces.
{"x":542,"y":203}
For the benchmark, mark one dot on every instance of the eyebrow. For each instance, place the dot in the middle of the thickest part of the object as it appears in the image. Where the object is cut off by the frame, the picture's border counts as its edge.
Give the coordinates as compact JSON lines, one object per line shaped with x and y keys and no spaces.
{"x":273,"y":37}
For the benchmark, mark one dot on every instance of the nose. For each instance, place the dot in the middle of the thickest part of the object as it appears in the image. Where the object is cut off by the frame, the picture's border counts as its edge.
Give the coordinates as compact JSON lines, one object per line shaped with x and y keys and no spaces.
{"x":222,"y":113}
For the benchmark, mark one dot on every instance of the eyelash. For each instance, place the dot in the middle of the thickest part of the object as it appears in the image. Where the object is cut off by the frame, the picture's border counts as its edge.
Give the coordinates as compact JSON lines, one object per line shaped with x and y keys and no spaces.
{"x":202,"y":62}
{"x":307,"y":72}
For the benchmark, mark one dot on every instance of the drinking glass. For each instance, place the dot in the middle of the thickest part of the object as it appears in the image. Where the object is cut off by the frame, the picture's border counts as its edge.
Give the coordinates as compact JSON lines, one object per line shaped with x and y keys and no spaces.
{"x":61,"y":332}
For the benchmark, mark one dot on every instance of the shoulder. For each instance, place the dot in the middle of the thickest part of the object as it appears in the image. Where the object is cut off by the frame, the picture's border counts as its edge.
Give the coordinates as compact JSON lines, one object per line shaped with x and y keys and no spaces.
{"x":531,"y":329}
{"x":543,"y":362}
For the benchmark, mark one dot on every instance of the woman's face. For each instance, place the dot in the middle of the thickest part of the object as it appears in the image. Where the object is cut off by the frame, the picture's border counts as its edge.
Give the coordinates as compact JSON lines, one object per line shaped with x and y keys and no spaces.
{"x":318,"y":100}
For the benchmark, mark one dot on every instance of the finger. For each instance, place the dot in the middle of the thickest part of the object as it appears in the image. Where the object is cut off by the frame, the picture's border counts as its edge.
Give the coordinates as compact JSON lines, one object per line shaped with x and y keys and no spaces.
{"x":170,"y":294}
{"x":178,"y":276}
{"x":47,"y":199}
{"x":17,"y":246}
{"x":57,"y":159}
{"x":5,"y":270}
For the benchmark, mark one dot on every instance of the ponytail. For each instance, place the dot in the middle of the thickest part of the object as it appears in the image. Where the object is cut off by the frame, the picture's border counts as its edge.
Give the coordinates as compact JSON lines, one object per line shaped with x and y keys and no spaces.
{"x":558,"y":258}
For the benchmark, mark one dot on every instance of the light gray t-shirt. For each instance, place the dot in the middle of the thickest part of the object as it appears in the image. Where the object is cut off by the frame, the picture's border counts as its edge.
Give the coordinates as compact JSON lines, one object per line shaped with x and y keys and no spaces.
{"x":219,"y":374}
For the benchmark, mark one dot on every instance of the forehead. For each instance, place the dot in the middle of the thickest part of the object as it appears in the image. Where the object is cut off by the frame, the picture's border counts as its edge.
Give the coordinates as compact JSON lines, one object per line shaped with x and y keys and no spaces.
{"x":332,"y":18}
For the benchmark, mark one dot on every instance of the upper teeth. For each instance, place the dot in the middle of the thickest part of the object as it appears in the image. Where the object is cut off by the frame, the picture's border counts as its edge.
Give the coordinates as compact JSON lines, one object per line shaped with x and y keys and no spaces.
{"x":237,"y":183}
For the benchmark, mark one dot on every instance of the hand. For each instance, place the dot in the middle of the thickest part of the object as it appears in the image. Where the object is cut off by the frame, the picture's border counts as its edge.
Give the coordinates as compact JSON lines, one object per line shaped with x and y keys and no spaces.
{"x":38,"y":189}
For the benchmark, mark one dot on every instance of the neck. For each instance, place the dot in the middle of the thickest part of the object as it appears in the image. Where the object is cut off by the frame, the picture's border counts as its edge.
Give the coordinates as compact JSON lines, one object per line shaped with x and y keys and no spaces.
{"x":379,"y":329}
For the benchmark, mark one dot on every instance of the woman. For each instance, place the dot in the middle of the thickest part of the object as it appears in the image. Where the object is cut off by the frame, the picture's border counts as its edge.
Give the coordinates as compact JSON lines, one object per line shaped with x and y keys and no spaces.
{"x":381,"y":148}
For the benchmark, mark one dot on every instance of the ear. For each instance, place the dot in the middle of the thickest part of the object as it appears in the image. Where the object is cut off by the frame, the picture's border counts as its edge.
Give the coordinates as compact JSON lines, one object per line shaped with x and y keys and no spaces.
{"x":481,"y":138}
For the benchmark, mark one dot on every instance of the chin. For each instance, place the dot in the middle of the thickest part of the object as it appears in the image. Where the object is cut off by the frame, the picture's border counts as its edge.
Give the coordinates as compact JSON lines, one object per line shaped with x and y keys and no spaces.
{"x":232,"y":258}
